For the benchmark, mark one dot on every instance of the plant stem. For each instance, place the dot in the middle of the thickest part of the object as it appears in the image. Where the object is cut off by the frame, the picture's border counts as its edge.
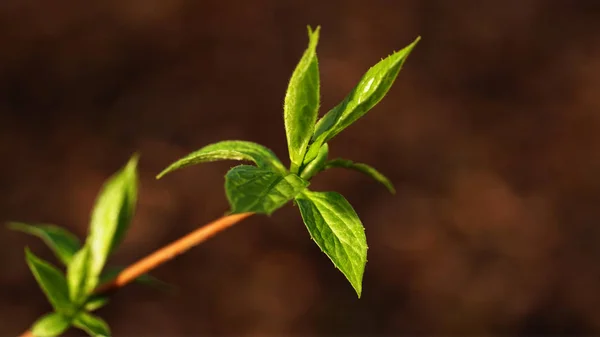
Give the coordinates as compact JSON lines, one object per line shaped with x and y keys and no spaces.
{"x":165,"y":254}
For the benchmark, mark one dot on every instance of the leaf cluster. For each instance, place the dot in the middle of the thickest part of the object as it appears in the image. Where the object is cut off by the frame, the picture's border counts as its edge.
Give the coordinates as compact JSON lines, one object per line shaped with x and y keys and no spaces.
{"x":71,"y":293}
{"x":330,"y":219}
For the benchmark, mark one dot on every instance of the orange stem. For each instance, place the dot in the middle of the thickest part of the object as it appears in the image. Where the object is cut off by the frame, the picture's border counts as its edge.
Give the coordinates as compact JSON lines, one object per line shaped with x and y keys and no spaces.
{"x":165,"y":254}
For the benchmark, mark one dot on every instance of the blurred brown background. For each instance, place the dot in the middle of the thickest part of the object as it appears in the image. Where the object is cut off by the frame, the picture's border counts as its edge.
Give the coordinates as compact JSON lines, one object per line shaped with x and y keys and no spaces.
{"x":491,"y":134}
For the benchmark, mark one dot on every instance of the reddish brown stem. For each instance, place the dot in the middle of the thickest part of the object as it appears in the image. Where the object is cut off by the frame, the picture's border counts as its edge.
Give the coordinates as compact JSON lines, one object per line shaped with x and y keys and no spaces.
{"x":165,"y":254}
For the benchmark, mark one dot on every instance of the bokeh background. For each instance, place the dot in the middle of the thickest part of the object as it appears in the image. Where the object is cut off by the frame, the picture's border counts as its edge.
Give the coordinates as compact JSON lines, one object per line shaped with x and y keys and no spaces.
{"x":491,"y":134}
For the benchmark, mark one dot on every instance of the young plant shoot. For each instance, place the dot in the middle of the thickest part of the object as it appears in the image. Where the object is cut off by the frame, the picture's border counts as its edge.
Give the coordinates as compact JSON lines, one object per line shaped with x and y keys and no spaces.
{"x":261,"y":188}
{"x":330,"y":219}
{"x":71,"y":294}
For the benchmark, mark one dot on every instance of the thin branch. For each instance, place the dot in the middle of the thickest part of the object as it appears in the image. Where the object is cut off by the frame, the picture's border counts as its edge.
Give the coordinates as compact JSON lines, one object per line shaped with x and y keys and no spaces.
{"x":165,"y":254}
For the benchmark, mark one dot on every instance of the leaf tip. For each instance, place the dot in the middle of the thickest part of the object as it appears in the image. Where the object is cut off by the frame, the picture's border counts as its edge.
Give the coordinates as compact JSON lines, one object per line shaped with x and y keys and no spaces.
{"x":13,"y":225}
{"x":312,"y":31}
{"x":30,"y":257}
{"x":133,"y":161}
{"x":411,"y":46}
{"x":357,"y":288}
{"x":313,"y":36}
{"x":167,"y":170}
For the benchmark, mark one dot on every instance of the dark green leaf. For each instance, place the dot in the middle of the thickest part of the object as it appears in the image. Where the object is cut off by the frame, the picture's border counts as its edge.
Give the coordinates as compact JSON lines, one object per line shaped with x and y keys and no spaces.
{"x":112,"y":215}
{"x":363,"y":168}
{"x":50,"y":325}
{"x":229,"y":150}
{"x":81,"y":280}
{"x":252,"y":189}
{"x":372,"y":87}
{"x":51,"y":280}
{"x":316,"y":165}
{"x":335,"y":227}
{"x":92,"y":325}
{"x":301,"y":104}
{"x":62,"y":242}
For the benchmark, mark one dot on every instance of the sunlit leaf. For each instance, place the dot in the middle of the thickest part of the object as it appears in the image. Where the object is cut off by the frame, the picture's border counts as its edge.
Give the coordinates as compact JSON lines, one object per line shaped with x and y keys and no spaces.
{"x":316,"y":165}
{"x":51,"y":325}
{"x":301,"y":104}
{"x":112,"y":214}
{"x":369,"y":91}
{"x":229,"y":150}
{"x":79,"y":276}
{"x":335,"y":227}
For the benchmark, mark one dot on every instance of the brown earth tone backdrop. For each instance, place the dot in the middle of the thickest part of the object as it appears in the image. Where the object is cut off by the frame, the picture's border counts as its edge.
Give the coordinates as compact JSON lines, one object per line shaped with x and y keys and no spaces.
{"x":491,"y":134}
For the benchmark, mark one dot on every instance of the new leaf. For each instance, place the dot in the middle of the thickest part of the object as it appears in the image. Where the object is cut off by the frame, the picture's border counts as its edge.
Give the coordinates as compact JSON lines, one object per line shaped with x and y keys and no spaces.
{"x":110,"y":220}
{"x":112,"y":215}
{"x":229,"y":150}
{"x":50,"y":325}
{"x":317,"y":164}
{"x":371,"y":89}
{"x":335,"y":227}
{"x":252,"y":189}
{"x":51,"y":280}
{"x":80,"y":276}
{"x":62,"y":242}
{"x":301,"y":102}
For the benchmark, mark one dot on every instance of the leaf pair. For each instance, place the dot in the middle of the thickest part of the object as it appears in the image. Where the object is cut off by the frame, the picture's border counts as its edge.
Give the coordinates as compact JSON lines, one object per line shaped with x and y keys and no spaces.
{"x":329,"y":218}
{"x":301,"y":105}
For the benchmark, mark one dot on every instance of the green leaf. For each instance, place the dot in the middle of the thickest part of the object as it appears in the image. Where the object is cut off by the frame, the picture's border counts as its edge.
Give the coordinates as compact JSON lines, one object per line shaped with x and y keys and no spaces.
{"x":144,"y":279}
{"x":112,"y":215}
{"x":316,"y":164}
{"x":301,"y":104}
{"x":51,"y":280}
{"x":252,"y":189}
{"x":363,"y":168}
{"x":62,"y":242}
{"x":92,"y":325}
{"x":79,"y":276}
{"x":50,"y":325}
{"x":337,"y":230}
{"x":371,"y":89}
{"x":96,"y":302}
{"x":229,"y":150}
